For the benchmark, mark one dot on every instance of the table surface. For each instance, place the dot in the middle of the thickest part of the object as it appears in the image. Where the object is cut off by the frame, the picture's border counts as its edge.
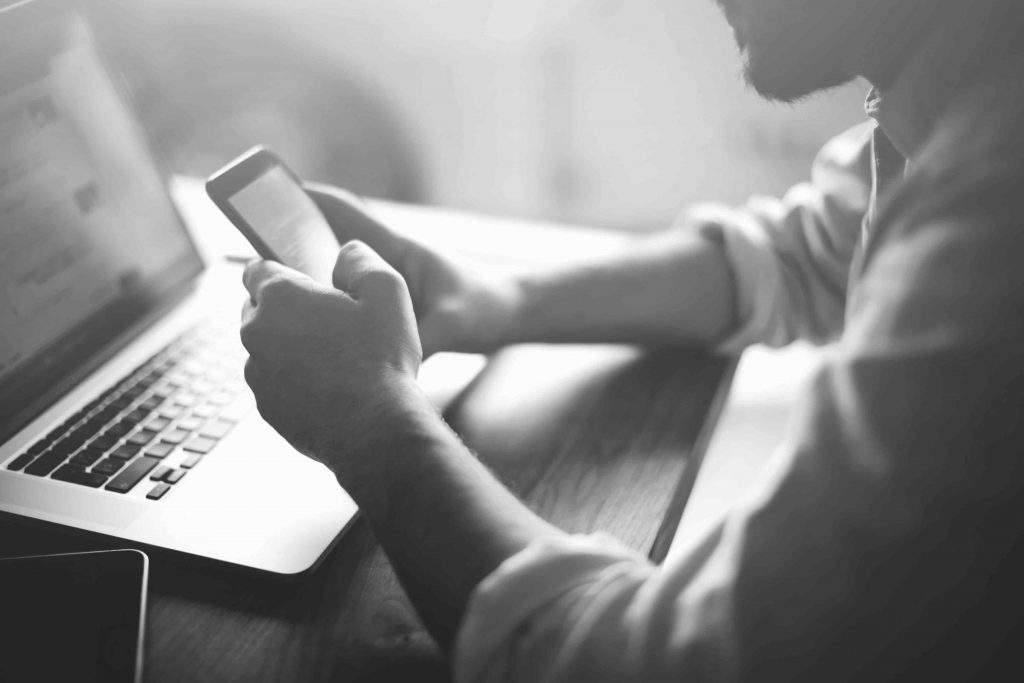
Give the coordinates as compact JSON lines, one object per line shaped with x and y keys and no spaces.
{"x":591,"y":437}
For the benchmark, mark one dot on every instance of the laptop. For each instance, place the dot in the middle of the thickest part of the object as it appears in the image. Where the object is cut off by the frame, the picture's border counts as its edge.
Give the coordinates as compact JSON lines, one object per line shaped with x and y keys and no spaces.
{"x":123,"y":410}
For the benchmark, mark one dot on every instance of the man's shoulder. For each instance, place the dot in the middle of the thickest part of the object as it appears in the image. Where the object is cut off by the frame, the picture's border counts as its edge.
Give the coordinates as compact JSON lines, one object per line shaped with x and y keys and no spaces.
{"x":972,"y":167}
{"x":949,"y":242}
{"x":980,"y":135}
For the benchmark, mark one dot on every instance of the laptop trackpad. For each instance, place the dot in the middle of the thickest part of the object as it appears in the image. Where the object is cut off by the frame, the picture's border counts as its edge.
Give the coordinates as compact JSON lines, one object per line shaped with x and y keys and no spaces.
{"x":67,"y":504}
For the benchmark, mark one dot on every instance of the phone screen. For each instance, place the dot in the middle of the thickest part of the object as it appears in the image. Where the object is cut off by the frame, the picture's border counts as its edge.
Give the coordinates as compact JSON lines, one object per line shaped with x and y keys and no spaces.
{"x":73,"y":617}
{"x":289,"y":222}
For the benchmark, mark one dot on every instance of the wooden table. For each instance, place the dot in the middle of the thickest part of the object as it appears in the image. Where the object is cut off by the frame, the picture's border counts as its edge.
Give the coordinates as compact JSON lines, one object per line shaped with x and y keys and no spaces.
{"x":591,"y":437}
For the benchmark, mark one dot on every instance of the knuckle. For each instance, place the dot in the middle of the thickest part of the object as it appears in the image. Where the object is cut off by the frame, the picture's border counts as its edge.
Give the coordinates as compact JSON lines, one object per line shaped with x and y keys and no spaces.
{"x":251,"y":372}
{"x":247,"y":333}
{"x":276,"y":290}
{"x":351,"y":249}
{"x":382,"y":279}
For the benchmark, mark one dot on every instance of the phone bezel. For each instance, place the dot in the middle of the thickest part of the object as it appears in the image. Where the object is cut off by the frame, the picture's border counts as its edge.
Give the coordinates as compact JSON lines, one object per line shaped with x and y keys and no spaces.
{"x":233,"y":178}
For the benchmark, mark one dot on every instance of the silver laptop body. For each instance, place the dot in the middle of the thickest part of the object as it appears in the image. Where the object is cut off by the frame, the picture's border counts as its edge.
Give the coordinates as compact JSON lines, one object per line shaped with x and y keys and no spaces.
{"x":117,"y":344}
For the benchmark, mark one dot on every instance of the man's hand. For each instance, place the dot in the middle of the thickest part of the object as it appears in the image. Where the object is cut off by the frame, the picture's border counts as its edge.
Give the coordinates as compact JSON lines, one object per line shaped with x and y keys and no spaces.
{"x":457,"y":307}
{"x":330,"y":368}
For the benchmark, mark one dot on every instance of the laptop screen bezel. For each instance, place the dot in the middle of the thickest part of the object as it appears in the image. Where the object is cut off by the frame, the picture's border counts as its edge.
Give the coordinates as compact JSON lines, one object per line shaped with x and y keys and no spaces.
{"x":57,"y":368}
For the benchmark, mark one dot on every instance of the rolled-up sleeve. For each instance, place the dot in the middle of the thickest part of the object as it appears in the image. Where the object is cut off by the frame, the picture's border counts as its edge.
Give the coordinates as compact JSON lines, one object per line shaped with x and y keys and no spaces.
{"x":886,"y":542}
{"x":790,"y":257}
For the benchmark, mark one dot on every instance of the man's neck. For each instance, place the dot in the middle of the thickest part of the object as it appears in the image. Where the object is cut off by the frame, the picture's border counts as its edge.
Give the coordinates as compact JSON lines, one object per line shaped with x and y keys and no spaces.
{"x":927,"y":83}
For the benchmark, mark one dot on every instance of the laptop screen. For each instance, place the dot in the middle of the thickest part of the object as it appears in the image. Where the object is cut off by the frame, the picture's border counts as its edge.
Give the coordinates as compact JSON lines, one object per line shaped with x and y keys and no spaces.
{"x":89,"y":240}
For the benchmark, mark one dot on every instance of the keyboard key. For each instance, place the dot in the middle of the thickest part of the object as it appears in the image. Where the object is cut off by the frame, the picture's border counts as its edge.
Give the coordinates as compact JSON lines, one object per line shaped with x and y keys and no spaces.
{"x":120,"y":403}
{"x":191,"y":423}
{"x":131,"y":476}
{"x":37,"y":448}
{"x":159,"y":450}
{"x":150,"y":404}
{"x":52,"y":435}
{"x":175,"y":436}
{"x":136,"y":416}
{"x":205,"y":411}
{"x":191,"y":461}
{"x":109,"y":466}
{"x":171,"y":412}
{"x":46,"y":463}
{"x":94,"y":426}
{"x":74,"y":441}
{"x":221,"y":398}
{"x":158,"y":491}
{"x":133,"y":393}
{"x":82,"y":432}
{"x":63,"y":447}
{"x":160,"y":472}
{"x":126,"y":451}
{"x":20,"y":461}
{"x":186,"y":400}
{"x":142,"y":437}
{"x":175,"y":476}
{"x":86,"y":457}
{"x":76,"y":475}
{"x":158,"y":424}
{"x":200,"y":445}
{"x":103,"y":443}
{"x":202,"y":387}
{"x":118,"y":430}
{"x":217,"y":429}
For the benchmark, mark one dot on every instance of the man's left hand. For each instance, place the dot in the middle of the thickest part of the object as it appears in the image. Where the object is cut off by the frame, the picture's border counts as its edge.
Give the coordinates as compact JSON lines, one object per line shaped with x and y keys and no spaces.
{"x":330,"y":367}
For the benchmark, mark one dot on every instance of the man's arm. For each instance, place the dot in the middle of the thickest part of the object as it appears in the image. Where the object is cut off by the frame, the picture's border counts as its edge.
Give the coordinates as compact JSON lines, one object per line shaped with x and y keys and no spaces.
{"x":669,"y":288}
{"x":771,"y":271}
{"x":443,"y":520}
{"x":334,"y":371}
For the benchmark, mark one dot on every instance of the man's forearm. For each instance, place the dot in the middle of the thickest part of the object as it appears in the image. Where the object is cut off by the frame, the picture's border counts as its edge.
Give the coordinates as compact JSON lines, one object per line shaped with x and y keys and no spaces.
{"x":443,"y":520}
{"x":669,"y":288}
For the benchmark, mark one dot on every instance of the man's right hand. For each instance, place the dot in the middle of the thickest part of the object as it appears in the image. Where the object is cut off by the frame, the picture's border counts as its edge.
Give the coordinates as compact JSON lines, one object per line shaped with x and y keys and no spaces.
{"x":458,"y":308}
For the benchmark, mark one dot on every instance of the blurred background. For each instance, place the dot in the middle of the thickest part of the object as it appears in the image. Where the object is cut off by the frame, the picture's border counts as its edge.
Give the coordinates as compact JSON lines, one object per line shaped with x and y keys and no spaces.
{"x":610,"y":113}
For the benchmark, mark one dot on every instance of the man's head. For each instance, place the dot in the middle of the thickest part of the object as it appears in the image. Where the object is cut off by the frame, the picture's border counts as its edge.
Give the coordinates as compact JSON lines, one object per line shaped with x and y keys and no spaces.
{"x":796,"y":47}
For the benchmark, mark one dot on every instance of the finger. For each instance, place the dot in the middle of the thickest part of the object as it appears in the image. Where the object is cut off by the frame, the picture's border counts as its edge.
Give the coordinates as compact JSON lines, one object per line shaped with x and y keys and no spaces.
{"x":247,"y":326}
{"x":361,"y":272}
{"x":255,"y":374}
{"x":259,"y":273}
{"x":350,"y":219}
{"x":248,"y":311}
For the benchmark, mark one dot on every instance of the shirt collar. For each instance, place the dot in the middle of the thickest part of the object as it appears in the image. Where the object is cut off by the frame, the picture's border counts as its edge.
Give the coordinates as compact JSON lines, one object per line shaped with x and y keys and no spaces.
{"x":904,"y":111}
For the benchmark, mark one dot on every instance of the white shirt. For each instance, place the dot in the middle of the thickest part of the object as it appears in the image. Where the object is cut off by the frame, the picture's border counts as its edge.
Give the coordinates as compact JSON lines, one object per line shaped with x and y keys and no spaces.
{"x":878,"y":546}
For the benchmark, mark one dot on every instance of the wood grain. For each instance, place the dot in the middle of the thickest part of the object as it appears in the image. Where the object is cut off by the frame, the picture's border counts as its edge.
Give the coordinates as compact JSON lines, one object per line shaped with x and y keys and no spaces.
{"x":592,"y":438}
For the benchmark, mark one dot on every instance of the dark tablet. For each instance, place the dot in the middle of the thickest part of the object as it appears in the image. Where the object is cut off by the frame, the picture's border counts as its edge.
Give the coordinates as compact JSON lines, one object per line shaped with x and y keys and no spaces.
{"x":73,"y":617}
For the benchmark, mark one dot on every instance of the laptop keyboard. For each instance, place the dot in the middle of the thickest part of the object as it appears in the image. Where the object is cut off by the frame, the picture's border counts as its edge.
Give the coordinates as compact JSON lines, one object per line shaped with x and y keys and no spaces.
{"x":174,"y":408}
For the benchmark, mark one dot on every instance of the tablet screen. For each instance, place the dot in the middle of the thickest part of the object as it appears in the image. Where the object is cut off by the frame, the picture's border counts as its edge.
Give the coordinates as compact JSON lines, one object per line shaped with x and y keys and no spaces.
{"x":74,"y":617}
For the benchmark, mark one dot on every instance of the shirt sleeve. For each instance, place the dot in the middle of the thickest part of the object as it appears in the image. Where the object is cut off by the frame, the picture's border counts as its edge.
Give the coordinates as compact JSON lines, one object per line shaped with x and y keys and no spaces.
{"x":790,"y":257}
{"x":885,"y":545}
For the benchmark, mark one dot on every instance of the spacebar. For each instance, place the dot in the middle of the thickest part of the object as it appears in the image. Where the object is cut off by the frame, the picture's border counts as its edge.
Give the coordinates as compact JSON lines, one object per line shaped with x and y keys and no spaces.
{"x":124,"y":482}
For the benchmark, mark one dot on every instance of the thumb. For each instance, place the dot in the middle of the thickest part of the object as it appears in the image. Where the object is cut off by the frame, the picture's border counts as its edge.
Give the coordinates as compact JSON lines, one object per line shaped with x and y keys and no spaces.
{"x":350,"y":219}
{"x":259,"y":273}
{"x":362,"y":273}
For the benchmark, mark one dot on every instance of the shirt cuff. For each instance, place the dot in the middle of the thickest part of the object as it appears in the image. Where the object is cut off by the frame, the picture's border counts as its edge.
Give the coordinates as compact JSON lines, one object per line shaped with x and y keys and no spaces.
{"x":523,"y":584}
{"x":756,"y":279}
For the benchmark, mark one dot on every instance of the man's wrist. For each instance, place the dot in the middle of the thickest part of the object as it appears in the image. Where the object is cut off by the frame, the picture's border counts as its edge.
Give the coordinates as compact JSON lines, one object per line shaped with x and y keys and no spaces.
{"x":368,"y":464}
{"x":519,"y":290}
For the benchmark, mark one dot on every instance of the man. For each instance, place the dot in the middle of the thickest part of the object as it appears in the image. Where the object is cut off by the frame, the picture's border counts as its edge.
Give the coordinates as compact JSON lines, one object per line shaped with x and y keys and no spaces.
{"x":886,"y":542}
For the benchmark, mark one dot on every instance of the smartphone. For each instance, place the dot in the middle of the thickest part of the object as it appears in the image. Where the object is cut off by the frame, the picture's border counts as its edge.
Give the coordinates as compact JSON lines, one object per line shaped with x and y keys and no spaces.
{"x":265,"y":201}
{"x":73,"y":617}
